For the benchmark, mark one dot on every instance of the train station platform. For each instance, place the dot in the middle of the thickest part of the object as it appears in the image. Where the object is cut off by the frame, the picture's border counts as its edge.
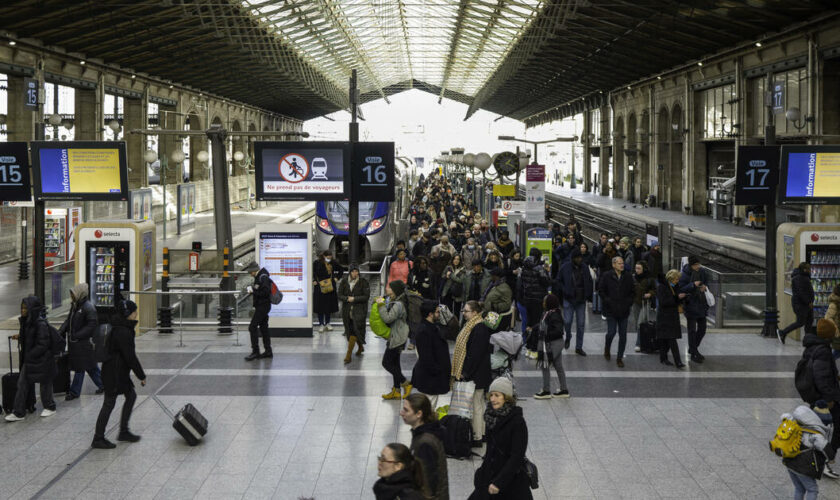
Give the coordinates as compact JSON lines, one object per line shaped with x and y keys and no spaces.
{"x":303,"y":425}
{"x":243,"y":223}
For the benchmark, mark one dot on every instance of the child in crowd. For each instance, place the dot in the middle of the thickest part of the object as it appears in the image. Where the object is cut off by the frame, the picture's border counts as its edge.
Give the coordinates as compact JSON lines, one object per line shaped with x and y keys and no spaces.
{"x":809,"y":465}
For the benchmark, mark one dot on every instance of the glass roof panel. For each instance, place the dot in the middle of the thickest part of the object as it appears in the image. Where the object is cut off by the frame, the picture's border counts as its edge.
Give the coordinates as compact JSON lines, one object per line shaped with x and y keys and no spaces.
{"x":392,"y":42}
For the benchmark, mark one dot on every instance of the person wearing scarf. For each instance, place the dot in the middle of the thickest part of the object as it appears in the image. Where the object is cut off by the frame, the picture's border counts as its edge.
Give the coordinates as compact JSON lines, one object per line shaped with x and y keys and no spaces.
{"x":501,"y":475}
{"x":353,"y":293}
{"x":471,"y":362}
{"x":550,"y":348}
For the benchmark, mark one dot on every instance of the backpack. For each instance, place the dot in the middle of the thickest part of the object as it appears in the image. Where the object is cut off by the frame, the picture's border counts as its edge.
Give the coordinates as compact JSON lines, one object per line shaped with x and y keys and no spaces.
{"x":377,"y":326}
{"x":275,"y":296}
{"x":58,"y":344}
{"x":804,"y":380}
{"x":788,"y":439}
{"x":457,"y":436}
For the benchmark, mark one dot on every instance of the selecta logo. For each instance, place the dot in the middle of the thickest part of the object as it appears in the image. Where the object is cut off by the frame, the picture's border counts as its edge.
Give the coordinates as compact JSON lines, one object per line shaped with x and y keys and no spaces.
{"x":97,"y":233}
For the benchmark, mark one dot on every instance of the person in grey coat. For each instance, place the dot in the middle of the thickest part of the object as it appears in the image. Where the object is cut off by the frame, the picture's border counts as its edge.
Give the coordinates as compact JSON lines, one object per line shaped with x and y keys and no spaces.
{"x":79,"y":329}
{"x":394,"y":313}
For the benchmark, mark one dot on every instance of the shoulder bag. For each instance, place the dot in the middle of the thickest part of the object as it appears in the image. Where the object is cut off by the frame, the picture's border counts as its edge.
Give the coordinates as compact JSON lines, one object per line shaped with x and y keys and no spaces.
{"x":326,"y":285}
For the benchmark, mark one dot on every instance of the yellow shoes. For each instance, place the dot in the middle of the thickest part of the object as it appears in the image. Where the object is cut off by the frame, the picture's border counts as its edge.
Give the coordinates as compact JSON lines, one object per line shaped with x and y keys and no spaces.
{"x":406,"y":389}
{"x":394,"y":394}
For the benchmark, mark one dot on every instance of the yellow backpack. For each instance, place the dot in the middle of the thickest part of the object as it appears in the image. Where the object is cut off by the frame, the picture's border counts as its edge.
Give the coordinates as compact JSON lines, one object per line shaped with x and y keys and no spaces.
{"x":788,"y":439}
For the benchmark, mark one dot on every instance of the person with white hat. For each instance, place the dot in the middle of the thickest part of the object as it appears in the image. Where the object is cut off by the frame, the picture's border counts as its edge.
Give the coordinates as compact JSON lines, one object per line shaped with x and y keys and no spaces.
{"x":502,"y":475}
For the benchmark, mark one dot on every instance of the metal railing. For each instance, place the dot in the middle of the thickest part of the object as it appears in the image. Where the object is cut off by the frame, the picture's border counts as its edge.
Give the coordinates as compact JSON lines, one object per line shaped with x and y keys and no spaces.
{"x":739,"y":299}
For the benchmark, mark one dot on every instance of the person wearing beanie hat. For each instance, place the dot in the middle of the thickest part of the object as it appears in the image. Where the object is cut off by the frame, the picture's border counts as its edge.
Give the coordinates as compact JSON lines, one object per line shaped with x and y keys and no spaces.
{"x":533,"y":286}
{"x":501,"y":474}
{"x":260,"y":292}
{"x":394,"y":312}
{"x":692,"y":283}
{"x":574,"y":284}
{"x":476,"y":281}
{"x":802,"y":301}
{"x":353,"y":293}
{"x":116,"y":375}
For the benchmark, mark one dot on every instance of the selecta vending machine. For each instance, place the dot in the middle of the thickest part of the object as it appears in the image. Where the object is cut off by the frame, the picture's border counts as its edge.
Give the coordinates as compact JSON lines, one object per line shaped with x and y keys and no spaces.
{"x":817,"y":244}
{"x":118,"y":257}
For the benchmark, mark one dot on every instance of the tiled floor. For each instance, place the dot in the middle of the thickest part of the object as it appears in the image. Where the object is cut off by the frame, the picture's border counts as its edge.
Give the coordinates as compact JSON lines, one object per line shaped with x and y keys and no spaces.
{"x":303,"y":425}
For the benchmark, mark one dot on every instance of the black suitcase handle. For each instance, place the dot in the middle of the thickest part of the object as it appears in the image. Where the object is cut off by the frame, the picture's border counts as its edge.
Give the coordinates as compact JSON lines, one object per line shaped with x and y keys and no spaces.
{"x":11,"y":365}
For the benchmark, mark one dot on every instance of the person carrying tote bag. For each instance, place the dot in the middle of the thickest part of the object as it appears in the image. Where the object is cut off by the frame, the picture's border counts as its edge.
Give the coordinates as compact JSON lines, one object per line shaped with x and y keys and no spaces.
{"x":325,"y":299}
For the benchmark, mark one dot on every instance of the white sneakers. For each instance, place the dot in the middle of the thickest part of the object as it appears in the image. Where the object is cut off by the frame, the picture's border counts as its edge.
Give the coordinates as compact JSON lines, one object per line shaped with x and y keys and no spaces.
{"x":328,"y":327}
{"x":11,"y":417}
{"x":637,"y":349}
{"x":47,"y":413}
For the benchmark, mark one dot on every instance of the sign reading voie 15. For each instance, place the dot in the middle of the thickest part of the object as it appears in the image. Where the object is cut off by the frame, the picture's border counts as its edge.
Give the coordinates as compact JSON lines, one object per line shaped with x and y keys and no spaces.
{"x":14,"y":172}
{"x":372,"y":177}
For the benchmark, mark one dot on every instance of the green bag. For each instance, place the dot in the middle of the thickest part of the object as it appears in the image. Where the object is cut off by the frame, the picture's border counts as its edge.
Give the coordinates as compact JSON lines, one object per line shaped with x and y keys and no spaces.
{"x":442,"y":411}
{"x":377,"y":326}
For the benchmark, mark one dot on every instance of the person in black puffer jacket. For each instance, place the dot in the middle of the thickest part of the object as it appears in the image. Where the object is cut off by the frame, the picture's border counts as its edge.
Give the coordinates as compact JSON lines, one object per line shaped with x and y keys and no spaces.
{"x":533,"y":286}
{"x":401,"y":475}
{"x":116,"y":374}
{"x":550,"y":347}
{"x":502,"y":475}
{"x":802,"y":301}
{"x":430,"y":375}
{"x":79,"y":329}
{"x":261,"y":295}
{"x":824,"y":375}
{"x":38,"y":364}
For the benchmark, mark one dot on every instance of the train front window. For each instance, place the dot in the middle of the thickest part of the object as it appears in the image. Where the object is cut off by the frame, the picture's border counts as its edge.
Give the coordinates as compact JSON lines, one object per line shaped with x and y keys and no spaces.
{"x":339,"y":211}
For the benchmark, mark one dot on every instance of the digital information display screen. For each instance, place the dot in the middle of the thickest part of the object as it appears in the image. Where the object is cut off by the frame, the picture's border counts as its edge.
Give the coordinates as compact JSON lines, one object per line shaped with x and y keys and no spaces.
{"x":811,"y":174}
{"x":80,"y":170}
{"x":286,"y":257}
{"x":14,"y":172}
{"x":302,"y":170}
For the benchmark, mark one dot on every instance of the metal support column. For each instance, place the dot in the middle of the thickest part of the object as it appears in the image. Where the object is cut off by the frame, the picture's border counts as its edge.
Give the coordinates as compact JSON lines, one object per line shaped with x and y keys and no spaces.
{"x":38,"y":215}
{"x":771,"y":314}
{"x":353,"y":230}
{"x":221,"y":199}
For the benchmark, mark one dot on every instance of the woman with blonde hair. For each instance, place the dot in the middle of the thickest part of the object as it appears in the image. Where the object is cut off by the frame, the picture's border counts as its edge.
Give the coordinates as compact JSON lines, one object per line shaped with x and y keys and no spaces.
{"x":668,"y":328}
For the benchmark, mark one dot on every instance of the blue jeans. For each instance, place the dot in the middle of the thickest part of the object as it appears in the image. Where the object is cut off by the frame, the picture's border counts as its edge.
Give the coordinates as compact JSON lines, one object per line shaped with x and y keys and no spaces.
{"x":804,"y":487}
{"x":523,"y":315}
{"x":835,"y":353}
{"x":596,"y":302}
{"x":323,"y":319}
{"x":579,"y":313}
{"x":79,"y":378}
{"x":612,"y":323}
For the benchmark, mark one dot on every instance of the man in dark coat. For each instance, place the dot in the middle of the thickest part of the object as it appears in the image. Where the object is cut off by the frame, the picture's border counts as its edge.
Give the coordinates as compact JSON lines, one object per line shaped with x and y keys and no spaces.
{"x":38,"y":364}
{"x":260,"y":292}
{"x":431,"y":372}
{"x":654,"y":262}
{"x":824,"y":378}
{"x":802,"y":301}
{"x":427,"y":435}
{"x":533,"y":286}
{"x":116,"y":374}
{"x":616,"y":288}
{"x":574,"y":286}
{"x":79,"y":329}
{"x":353,"y":293}
{"x":693,"y":284}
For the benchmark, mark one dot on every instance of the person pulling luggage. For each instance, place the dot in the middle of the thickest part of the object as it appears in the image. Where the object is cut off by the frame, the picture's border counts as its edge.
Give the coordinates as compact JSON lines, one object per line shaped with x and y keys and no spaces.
{"x":261,"y":292}
{"x":116,"y":375}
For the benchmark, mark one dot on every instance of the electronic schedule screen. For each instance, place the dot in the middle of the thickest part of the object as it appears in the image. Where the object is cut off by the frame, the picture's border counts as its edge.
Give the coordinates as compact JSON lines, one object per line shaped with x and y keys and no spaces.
{"x":810,"y":174}
{"x":80,"y":170}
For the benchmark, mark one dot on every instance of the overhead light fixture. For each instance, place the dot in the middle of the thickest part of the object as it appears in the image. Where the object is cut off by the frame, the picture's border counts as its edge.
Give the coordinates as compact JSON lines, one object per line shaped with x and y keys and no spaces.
{"x":171,"y":86}
{"x":82,"y":63}
{"x":12,"y":43}
{"x":133,"y":77}
{"x":658,"y":77}
{"x":628,"y":87}
{"x":758,"y":44}
{"x":699,"y":63}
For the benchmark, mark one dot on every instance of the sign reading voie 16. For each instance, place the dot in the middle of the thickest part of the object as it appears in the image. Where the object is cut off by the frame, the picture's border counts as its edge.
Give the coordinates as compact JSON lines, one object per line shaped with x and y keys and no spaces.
{"x":372,"y":177}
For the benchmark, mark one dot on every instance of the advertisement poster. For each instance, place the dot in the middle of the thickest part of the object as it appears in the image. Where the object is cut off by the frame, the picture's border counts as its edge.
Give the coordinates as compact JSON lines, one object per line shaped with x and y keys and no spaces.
{"x":186,"y":207}
{"x":535,"y":194}
{"x":148,"y":259}
{"x":813,"y":175}
{"x":301,"y":170}
{"x":286,"y":257}
{"x":140,"y":202}
{"x":789,"y":264}
{"x":80,"y":170}
{"x":539,"y":237}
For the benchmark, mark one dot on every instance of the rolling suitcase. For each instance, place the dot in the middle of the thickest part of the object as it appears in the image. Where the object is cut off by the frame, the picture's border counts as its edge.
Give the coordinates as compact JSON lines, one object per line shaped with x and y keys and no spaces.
{"x":9,"y":387}
{"x":189,"y":422}
{"x":647,"y":340}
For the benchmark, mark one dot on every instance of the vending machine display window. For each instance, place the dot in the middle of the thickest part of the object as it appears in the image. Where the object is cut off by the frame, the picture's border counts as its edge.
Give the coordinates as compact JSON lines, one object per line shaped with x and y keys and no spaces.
{"x":107,"y":271}
{"x":825,"y":274}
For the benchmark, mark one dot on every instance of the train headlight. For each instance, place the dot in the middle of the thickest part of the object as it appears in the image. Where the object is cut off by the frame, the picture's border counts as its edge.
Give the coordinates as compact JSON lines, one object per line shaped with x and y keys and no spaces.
{"x":376,"y":225}
{"x":324,"y":225}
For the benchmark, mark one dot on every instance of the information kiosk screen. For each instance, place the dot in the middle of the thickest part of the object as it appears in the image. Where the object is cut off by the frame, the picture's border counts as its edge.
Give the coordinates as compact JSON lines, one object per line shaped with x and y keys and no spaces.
{"x":80,"y":170}
{"x":286,"y":256}
{"x":810,"y":175}
{"x":311,"y":171}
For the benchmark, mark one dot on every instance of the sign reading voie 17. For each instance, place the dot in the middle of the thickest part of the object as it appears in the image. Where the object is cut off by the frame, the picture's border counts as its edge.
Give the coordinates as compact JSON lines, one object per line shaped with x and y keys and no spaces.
{"x":372,"y":171}
{"x":756,"y":175}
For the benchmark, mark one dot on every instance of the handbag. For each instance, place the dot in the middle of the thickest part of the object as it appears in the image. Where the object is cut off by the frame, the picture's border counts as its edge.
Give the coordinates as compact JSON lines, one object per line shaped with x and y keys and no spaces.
{"x":326,"y":285}
{"x":462,"y":395}
{"x":710,"y":299}
{"x":533,"y":473}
